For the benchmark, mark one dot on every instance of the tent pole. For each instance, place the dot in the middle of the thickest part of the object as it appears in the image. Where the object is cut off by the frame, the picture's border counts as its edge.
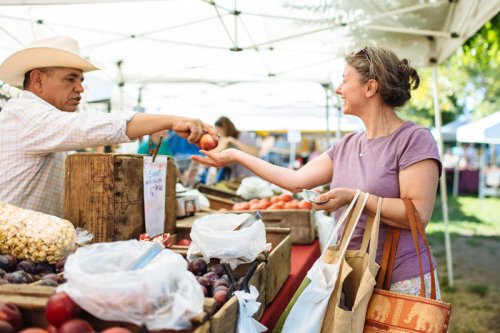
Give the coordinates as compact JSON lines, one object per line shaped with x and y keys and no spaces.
{"x":444,"y":194}
{"x":326,"y":87}
{"x":482,"y":165}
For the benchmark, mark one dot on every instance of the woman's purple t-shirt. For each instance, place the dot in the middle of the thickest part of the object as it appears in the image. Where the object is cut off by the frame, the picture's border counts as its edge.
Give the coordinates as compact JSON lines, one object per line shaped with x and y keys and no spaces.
{"x":373,"y":165}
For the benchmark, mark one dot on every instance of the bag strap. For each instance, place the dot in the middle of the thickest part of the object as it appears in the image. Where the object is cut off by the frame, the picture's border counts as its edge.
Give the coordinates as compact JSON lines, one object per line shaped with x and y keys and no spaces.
{"x":418,"y":229}
{"x":346,"y":214}
{"x":371,"y":229}
{"x":390,"y":248}
{"x":351,"y":219}
{"x":375,"y":227}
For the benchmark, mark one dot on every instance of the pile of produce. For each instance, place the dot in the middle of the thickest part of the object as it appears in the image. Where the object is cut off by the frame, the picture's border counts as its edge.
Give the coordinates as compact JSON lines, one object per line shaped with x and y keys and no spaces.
{"x":25,"y":271}
{"x":283,"y":201}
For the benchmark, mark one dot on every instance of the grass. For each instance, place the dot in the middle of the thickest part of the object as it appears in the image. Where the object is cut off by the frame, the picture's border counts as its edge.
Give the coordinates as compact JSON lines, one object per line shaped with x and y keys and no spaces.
{"x":468,"y":216}
{"x":474,"y":227}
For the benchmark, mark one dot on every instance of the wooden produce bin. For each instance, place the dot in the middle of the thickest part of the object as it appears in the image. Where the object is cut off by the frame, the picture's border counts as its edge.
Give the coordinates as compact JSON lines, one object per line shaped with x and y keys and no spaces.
{"x":278,"y":261}
{"x":300,"y":221}
{"x":32,"y":300}
{"x":104,"y":195}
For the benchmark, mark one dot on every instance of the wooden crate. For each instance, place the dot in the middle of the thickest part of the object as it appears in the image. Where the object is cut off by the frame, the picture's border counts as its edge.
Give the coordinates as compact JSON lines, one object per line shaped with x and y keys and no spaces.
{"x":217,"y":192}
{"x":32,"y":300}
{"x":217,"y":203}
{"x":278,"y":261}
{"x":258,"y":279}
{"x":300,"y":221}
{"x":104,"y":194}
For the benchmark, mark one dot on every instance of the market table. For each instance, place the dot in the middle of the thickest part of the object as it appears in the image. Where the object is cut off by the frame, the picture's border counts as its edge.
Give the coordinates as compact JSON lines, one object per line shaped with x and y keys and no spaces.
{"x":302,"y":258}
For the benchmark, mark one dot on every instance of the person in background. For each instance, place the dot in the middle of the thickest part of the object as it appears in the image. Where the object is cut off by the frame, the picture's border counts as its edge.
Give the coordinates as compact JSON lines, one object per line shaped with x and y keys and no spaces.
{"x":41,"y":125}
{"x":231,"y":137}
{"x":392,"y":159}
{"x":153,"y":141}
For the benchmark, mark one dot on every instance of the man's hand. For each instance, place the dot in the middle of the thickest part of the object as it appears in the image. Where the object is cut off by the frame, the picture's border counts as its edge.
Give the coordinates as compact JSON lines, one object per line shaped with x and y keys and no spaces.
{"x":192,"y":129}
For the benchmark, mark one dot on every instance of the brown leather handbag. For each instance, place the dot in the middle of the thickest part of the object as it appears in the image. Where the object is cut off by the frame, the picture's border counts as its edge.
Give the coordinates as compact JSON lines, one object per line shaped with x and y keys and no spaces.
{"x":394,"y":312}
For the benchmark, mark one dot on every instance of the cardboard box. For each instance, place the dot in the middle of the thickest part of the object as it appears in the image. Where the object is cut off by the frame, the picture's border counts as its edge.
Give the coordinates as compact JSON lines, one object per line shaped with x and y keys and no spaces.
{"x":104,"y":195}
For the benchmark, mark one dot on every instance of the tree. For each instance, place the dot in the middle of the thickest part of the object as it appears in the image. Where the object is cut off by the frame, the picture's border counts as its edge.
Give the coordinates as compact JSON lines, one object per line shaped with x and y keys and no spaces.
{"x":469,"y":81}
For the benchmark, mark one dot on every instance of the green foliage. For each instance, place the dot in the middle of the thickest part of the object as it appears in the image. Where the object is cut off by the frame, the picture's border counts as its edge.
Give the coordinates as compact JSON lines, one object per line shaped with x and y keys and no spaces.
{"x":468,"y":81}
{"x":480,"y":289}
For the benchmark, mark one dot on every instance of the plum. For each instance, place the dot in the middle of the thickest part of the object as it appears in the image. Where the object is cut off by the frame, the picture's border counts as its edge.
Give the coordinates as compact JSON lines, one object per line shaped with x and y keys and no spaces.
{"x":220,"y":297}
{"x":20,"y":277}
{"x":216,"y":289}
{"x":43,"y":268}
{"x":205,"y":290}
{"x":60,"y":265}
{"x":10,"y":313}
{"x":28,"y":266}
{"x":2,"y":273}
{"x":212,"y":276}
{"x":47,"y":282}
{"x":217,"y":269}
{"x":8,"y":263}
{"x":2,"y":281}
{"x":53,"y":277}
{"x":198,"y":266}
{"x":221,"y":282}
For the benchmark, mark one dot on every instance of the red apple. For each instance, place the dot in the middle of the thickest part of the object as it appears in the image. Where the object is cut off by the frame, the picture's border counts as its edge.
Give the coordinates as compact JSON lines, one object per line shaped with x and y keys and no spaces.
{"x":10,"y":313}
{"x":60,"y":308}
{"x":184,"y":242}
{"x":76,"y":326}
{"x":207,"y":142}
{"x":116,"y":330}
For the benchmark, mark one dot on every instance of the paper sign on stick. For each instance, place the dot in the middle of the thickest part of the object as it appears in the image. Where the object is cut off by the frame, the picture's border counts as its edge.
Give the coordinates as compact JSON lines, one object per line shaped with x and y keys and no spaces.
{"x":155,"y":184}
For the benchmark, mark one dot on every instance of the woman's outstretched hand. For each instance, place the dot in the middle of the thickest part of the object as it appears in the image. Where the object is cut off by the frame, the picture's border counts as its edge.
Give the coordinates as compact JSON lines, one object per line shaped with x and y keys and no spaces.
{"x":216,"y":158}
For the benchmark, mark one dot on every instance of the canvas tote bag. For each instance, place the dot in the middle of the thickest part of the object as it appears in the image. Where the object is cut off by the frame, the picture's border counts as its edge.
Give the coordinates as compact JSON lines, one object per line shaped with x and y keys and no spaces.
{"x":394,"y":312}
{"x":307,"y":308}
{"x":347,"y":305}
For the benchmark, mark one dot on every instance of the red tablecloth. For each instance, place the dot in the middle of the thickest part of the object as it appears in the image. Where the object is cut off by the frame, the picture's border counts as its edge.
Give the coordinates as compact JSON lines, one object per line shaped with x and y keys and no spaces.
{"x":302,"y":258}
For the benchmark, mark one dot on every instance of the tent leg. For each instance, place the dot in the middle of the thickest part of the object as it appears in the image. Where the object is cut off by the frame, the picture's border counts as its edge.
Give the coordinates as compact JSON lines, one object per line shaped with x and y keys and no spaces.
{"x":444,"y":195}
{"x":482,"y":164}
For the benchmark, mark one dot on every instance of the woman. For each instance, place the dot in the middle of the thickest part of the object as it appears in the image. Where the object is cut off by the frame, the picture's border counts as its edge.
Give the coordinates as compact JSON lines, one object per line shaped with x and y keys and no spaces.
{"x":392,"y":159}
{"x":231,"y":137}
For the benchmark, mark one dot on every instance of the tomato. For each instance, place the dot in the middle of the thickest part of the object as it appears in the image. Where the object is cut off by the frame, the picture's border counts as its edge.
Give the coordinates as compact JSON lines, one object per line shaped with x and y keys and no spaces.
{"x":305,"y":205}
{"x":285,"y":197}
{"x":274,"y":199}
{"x":275,"y":206}
{"x":254,"y":206}
{"x":264,"y":205}
{"x":291,"y":205}
{"x":255,"y":200}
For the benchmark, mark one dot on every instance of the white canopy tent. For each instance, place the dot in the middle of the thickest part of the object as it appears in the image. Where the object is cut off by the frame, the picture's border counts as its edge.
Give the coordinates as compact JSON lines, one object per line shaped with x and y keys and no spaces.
{"x":228,"y":42}
{"x":484,"y":131}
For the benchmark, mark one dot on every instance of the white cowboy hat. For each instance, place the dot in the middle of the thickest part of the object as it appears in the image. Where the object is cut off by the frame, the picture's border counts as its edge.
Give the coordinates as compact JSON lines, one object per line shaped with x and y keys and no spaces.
{"x":51,"y":52}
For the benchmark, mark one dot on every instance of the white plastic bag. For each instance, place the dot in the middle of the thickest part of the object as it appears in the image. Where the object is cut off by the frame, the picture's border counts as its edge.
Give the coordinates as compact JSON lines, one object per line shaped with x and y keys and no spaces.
{"x":324,"y":228}
{"x":254,"y":187}
{"x":163,"y":294}
{"x":213,"y":236}
{"x":248,"y":306}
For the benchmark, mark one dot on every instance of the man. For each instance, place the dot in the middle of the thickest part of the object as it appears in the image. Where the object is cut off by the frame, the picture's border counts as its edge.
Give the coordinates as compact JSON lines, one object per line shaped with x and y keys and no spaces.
{"x":37,"y":128}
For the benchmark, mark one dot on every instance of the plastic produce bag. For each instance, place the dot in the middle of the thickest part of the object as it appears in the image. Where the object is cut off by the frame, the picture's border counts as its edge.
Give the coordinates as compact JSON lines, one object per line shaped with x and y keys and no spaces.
{"x":213,"y":236}
{"x":254,"y":187}
{"x":160,"y":292}
{"x":324,"y":227}
{"x":248,"y":306}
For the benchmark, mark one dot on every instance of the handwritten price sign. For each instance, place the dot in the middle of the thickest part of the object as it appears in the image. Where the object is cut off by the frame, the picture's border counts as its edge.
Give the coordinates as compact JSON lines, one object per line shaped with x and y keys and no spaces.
{"x":155,"y":180}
